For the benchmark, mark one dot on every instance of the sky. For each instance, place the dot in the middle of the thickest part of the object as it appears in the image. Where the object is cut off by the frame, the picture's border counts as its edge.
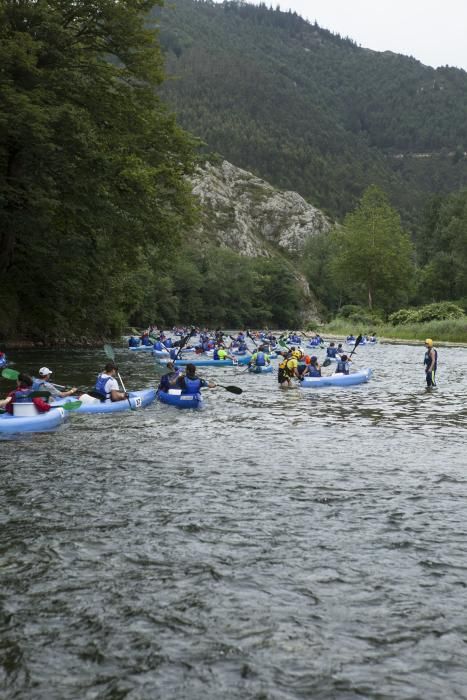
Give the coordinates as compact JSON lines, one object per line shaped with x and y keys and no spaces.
{"x":432,"y":31}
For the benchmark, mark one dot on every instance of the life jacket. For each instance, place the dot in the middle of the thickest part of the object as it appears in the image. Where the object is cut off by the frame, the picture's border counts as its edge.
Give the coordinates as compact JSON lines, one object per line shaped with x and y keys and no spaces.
{"x":100,"y":385}
{"x":192,"y":386}
{"x":287,"y":370}
{"x":314,"y":371}
{"x":133,"y":342}
{"x":342,"y":367}
{"x":166,"y":379}
{"x":38,"y":384}
{"x":22,"y":395}
{"x":331,"y":352}
{"x":168,"y":343}
{"x":215,"y":355}
{"x":260,"y":360}
{"x":427,"y":360}
{"x":158,"y":345}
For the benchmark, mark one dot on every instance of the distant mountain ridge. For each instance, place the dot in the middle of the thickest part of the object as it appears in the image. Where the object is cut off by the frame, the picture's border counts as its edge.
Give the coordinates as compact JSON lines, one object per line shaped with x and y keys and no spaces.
{"x":310,"y":111}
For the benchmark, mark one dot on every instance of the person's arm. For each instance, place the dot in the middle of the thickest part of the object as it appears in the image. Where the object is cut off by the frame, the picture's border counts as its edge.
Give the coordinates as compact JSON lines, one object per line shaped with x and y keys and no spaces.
{"x":4,"y":402}
{"x":41,"y":405}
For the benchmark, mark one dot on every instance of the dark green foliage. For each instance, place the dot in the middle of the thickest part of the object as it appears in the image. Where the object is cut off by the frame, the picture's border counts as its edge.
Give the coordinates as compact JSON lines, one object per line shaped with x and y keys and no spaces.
{"x":311,"y":111}
{"x":430,"y":312}
{"x":91,"y":165}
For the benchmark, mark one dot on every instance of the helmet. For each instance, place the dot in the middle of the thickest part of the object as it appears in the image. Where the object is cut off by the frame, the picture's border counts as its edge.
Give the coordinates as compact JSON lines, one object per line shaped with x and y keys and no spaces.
{"x":429,"y":342}
{"x":313,"y":358}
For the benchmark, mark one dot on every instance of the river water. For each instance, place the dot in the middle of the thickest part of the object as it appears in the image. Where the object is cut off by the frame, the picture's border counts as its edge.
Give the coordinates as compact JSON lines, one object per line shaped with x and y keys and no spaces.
{"x":275,"y":545}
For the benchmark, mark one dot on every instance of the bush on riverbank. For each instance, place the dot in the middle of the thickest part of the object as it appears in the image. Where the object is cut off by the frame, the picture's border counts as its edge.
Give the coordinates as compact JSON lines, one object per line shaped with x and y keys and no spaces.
{"x":448,"y":330}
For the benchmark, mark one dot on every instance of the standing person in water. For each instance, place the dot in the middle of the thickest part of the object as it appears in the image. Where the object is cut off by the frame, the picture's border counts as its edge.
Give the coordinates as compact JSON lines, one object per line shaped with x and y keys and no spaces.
{"x":430,"y":363}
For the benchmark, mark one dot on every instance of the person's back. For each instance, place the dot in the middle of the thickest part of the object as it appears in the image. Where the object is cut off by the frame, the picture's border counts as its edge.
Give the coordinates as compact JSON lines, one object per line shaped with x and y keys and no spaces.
{"x":189,"y":383}
{"x":342,"y":366}
{"x":169,"y":379}
{"x":107,"y":386}
{"x":331,"y":351}
{"x":22,"y":394}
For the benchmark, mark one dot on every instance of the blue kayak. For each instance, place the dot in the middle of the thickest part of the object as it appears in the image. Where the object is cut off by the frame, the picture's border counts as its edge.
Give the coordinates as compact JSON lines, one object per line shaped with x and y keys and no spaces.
{"x":340,"y":379}
{"x":142,"y":348}
{"x":208,"y":362}
{"x":262,"y":369}
{"x":180,"y":400}
{"x":40,"y":423}
{"x":137,"y":399}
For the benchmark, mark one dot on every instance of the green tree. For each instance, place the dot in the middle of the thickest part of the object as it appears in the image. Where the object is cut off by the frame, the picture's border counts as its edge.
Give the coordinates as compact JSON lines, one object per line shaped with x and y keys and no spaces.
{"x":374,"y":258}
{"x":92,"y":165}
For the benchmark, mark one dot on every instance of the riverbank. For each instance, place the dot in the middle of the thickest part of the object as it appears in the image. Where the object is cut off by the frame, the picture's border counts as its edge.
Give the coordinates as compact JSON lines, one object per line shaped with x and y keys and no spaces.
{"x":447,"y":332}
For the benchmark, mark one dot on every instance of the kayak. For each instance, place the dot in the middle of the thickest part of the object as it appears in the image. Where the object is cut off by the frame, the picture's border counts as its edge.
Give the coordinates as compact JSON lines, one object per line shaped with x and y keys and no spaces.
{"x":351,"y":379}
{"x":173,"y":398}
{"x":137,"y":399}
{"x":208,"y":362}
{"x":40,"y":423}
{"x":262,"y":369}
{"x":142,"y":348}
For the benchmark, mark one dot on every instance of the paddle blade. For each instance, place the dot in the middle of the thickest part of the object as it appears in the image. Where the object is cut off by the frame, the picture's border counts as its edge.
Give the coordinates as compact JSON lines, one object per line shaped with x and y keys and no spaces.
{"x":71,"y":405}
{"x":232,"y":389}
{"x":357,"y":342}
{"x":109,"y":351}
{"x":10,"y":374}
{"x":326,"y":362}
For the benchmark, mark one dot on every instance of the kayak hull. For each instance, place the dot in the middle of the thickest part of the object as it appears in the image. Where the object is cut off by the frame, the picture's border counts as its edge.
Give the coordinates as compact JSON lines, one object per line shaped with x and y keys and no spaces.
{"x":137,"y":399}
{"x":265,"y":369}
{"x":180,"y":400}
{"x":208,"y":362}
{"x":42,"y":423}
{"x":142,"y":348}
{"x":352,"y":379}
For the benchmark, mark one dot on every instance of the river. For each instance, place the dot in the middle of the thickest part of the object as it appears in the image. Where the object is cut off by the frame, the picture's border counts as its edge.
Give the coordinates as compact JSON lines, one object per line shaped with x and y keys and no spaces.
{"x":276,"y":545}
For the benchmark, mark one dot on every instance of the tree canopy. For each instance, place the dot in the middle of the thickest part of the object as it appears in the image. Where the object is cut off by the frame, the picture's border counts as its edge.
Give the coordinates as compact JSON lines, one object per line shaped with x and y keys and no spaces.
{"x":92,"y":164}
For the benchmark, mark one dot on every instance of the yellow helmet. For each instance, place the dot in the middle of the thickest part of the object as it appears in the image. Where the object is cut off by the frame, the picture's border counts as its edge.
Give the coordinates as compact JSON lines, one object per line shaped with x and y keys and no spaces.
{"x":429,"y":342}
{"x":297,"y":354}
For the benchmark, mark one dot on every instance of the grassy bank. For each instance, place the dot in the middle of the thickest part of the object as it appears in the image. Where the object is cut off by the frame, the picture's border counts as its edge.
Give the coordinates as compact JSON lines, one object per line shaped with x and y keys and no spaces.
{"x":451,"y":330}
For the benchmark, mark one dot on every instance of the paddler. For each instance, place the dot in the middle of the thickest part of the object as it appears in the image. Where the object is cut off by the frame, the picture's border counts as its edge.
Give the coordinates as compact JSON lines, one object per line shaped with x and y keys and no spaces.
{"x":430,"y":362}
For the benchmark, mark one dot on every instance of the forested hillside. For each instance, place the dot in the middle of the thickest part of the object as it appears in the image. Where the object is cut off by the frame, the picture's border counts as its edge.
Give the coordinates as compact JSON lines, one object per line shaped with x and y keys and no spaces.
{"x":311,"y":111}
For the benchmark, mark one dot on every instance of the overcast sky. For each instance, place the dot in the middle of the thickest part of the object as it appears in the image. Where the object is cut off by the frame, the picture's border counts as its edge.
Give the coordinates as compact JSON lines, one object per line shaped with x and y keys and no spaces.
{"x":433,"y":31}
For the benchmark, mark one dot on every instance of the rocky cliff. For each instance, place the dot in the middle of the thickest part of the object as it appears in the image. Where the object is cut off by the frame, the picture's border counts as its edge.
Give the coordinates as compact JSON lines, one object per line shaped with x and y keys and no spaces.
{"x":247,"y":214}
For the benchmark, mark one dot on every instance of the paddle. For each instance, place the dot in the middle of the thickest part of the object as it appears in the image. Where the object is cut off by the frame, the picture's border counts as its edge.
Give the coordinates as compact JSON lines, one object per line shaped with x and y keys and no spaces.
{"x":251,"y":338}
{"x":183,"y":342}
{"x":232,"y":389}
{"x":68,"y":405}
{"x":357,"y":342}
{"x":109,"y":351}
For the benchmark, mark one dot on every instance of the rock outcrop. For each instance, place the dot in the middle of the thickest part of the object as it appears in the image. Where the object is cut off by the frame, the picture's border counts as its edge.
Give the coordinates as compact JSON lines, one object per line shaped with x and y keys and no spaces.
{"x":249,"y":215}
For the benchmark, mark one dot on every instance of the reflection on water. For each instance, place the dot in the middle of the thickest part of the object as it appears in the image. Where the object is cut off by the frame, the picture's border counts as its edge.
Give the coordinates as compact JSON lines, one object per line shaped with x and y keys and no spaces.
{"x":276,"y":545}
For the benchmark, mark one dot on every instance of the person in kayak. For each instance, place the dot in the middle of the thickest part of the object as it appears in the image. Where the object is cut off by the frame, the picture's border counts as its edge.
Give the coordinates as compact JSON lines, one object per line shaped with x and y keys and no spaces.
{"x":189,"y":383}
{"x":430,"y":363}
{"x":259,"y":358}
{"x":343,"y":366}
{"x":107,"y":385}
{"x":331,"y":351}
{"x":43,"y":383}
{"x":169,"y":380}
{"x":220,"y":353}
{"x":313,"y":369}
{"x":22,"y":394}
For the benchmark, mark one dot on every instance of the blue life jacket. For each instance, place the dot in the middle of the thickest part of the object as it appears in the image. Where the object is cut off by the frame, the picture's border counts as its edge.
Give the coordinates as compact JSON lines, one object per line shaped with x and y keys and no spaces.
{"x":331,"y":352}
{"x":260,"y":359}
{"x":314,"y":371}
{"x":38,"y":384}
{"x":168,"y":343}
{"x":342,"y":367}
{"x":173,"y":352}
{"x":100,"y":386}
{"x":192,"y":386}
{"x":133,"y":342}
{"x":164,"y":384}
{"x":146,"y":341}
{"x":22,"y":395}
{"x":215,"y":355}
{"x":158,"y":345}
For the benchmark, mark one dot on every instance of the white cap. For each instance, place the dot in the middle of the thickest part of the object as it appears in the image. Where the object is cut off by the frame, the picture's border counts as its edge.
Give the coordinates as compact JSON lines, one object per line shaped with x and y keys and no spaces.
{"x":44,"y":371}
